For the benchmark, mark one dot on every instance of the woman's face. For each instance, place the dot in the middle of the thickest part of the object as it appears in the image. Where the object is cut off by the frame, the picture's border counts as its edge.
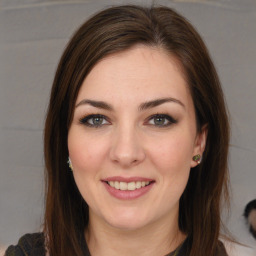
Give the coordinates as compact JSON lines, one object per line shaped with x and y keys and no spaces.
{"x":132,"y":138}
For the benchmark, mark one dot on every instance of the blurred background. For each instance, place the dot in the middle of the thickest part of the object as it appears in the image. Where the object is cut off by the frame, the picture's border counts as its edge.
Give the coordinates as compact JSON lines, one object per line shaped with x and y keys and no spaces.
{"x":33,"y":34}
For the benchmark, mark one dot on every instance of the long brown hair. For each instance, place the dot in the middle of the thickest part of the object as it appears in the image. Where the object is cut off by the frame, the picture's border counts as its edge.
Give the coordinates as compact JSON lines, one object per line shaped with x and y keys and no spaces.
{"x":110,"y":31}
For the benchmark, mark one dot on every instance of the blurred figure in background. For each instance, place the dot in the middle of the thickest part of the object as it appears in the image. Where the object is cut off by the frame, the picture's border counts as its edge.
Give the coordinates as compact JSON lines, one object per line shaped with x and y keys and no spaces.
{"x":250,"y":216}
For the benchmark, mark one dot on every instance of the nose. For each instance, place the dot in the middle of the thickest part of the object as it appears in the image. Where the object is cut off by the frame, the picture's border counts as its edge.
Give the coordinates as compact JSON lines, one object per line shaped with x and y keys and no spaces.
{"x":127,"y":147}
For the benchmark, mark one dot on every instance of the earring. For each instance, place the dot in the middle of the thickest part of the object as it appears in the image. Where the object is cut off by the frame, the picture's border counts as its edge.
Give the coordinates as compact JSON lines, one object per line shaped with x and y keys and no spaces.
{"x":70,"y":164}
{"x":197,"y":158}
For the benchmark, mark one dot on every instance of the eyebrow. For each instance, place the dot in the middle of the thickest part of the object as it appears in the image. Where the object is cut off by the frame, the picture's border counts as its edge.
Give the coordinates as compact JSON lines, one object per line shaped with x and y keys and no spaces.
{"x":157,"y":102}
{"x":143,"y":106}
{"x":96,"y":104}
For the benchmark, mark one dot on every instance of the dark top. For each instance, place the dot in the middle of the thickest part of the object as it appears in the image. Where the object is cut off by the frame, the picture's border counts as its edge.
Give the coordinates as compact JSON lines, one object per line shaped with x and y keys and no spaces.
{"x":33,"y":245}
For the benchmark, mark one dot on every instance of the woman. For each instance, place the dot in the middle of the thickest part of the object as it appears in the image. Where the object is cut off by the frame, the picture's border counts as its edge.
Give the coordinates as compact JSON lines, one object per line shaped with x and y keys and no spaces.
{"x":135,"y":104}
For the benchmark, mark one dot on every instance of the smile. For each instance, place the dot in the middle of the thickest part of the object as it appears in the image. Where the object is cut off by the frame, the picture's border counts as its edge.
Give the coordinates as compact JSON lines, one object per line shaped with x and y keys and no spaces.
{"x":128,"y":188}
{"x":128,"y":185}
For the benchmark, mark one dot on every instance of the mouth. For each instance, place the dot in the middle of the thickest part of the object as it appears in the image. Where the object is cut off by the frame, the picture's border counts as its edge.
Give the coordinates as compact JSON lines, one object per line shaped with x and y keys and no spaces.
{"x":128,"y":186}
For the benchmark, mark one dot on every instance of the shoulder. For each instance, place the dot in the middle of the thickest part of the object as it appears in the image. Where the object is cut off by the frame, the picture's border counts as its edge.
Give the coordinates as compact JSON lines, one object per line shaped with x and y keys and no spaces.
{"x":28,"y":245}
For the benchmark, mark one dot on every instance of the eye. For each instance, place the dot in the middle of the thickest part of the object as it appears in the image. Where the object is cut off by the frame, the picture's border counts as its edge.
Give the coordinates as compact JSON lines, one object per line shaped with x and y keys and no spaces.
{"x":94,"y":120}
{"x":161,"y":120}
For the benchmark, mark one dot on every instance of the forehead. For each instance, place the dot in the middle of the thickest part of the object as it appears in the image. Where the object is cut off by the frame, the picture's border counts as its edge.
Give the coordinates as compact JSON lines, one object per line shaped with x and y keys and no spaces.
{"x":143,"y":71}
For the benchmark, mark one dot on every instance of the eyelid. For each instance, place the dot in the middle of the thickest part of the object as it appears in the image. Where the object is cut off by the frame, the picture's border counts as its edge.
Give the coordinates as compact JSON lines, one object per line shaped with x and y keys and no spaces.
{"x":170,"y":119}
{"x":84,"y":120}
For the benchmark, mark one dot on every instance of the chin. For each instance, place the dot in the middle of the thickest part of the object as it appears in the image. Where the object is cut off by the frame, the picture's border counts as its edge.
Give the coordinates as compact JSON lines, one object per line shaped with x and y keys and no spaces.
{"x":127,"y":221}
{"x":127,"y":226}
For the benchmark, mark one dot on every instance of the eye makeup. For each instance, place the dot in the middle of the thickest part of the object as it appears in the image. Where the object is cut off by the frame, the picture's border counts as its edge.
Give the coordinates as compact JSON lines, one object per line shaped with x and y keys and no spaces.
{"x":159,"y":120}
{"x":94,"y":120}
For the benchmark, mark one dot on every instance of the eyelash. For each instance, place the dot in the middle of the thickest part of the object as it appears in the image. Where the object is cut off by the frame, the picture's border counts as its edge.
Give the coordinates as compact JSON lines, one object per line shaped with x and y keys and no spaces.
{"x":167,"y":117}
{"x":85,"y":120}
{"x":171,"y":120}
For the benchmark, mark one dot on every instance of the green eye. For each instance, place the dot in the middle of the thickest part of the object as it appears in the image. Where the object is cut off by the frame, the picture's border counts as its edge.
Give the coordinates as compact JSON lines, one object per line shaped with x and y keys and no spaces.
{"x":98,"y":120}
{"x":161,"y":120}
{"x":94,"y":121}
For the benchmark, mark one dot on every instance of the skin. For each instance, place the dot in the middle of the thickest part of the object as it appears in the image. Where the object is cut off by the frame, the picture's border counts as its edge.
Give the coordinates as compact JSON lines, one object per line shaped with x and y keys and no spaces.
{"x":130,"y":143}
{"x":252,"y":219}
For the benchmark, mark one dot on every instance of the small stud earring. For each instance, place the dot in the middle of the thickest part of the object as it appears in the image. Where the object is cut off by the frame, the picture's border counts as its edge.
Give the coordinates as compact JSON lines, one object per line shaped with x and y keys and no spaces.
{"x":70,"y":164}
{"x":197,"y":158}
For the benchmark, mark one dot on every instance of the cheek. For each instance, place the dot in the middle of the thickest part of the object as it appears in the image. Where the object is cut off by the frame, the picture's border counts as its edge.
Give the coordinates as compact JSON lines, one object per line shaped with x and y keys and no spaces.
{"x":171,"y":160}
{"x":172,"y":155}
{"x":86,"y":152}
{"x":87,"y":156}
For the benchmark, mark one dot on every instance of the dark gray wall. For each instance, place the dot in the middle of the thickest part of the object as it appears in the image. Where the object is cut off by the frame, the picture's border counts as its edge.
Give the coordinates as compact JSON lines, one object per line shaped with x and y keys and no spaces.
{"x":33,"y":34}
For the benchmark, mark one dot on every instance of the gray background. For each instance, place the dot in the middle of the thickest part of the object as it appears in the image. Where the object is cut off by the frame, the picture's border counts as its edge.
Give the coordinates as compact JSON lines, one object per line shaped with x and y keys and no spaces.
{"x":33,"y":34}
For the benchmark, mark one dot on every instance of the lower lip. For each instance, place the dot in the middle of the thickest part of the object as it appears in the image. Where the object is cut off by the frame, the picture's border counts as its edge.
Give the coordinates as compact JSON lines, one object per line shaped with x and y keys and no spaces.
{"x":128,"y":194}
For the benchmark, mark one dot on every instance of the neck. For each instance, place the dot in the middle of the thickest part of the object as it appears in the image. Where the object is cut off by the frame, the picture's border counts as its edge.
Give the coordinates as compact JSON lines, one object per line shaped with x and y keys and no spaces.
{"x":159,"y":238}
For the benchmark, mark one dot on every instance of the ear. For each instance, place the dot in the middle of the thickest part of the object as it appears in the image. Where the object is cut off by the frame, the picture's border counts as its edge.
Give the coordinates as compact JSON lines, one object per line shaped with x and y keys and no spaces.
{"x":199,"y":145}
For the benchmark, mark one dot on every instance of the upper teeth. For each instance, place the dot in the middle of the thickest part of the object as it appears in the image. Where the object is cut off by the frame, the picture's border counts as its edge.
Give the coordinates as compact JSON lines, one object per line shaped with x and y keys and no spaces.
{"x":128,"y":185}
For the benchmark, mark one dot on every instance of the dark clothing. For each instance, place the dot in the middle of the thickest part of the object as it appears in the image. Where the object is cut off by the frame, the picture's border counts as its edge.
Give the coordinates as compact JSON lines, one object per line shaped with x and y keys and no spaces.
{"x":33,"y":245}
{"x":28,"y":245}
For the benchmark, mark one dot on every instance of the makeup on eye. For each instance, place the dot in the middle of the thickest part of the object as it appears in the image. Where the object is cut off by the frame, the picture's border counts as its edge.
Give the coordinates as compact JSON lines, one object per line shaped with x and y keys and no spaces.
{"x":94,"y":120}
{"x":161,"y":120}
{"x":157,"y":120}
